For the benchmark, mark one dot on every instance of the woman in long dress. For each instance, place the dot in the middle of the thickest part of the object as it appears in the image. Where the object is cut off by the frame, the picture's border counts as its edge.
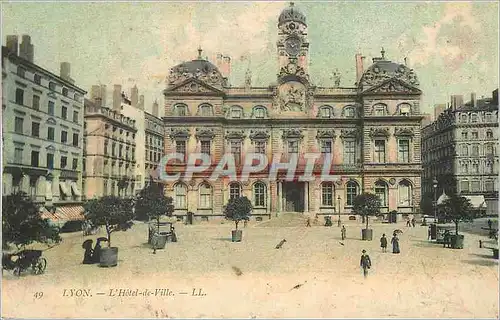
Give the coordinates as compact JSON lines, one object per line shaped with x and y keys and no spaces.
{"x":395,"y":243}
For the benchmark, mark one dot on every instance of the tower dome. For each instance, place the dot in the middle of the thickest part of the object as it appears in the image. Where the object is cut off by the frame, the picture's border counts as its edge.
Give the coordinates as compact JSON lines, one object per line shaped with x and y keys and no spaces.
{"x":291,"y":14}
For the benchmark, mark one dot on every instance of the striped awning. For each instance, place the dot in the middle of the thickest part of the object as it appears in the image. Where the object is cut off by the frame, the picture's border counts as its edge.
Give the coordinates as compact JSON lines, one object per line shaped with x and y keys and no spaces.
{"x":64,"y":213}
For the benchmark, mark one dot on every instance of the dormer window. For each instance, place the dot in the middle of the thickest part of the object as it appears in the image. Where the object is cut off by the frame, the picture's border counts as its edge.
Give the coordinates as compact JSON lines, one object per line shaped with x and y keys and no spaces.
{"x":325,"y":112}
{"x":404,"y":109}
{"x":260,"y":113}
{"x":379,"y":110}
{"x":205,"y":110}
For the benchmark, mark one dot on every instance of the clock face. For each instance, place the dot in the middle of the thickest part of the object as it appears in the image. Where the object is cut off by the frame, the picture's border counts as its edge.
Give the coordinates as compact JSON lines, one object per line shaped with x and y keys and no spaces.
{"x":292,"y":46}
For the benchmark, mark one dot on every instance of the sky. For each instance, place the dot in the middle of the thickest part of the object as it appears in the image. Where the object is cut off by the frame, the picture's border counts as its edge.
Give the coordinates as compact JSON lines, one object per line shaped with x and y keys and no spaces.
{"x":452,"y":46}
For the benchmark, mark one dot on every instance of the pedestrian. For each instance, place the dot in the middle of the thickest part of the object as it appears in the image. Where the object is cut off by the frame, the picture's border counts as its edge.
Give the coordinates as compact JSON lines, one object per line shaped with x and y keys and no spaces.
{"x":343,"y":232}
{"x":395,"y":243}
{"x":446,"y":238}
{"x":245,"y":222}
{"x":490,"y":223}
{"x":413,"y":222}
{"x":429,"y":233}
{"x":87,"y":256}
{"x":365,"y":263}
{"x":383,"y":243}
{"x":408,"y":222}
{"x":308,"y":224}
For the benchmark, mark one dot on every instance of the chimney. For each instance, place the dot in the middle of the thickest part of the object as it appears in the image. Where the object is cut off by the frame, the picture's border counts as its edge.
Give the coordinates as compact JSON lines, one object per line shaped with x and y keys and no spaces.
{"x":155,"y":108}
{"x":134,"y":96}
{"x":456,"y":101}
{"x":218,"y":61}
{"x":26,"y":48}
{"x":95,"y":95}
{"x":103,"y":94}
{"x":65,"y":71}
{"x":140,"y":105}
{"x":473,"y":100}
{"x":117,"y":97}
{"x":13,"y":44}
{"x":359,"y":67}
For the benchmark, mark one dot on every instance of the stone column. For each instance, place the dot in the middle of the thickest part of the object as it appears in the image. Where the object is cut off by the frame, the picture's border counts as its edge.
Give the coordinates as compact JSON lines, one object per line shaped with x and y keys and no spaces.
{"x":306,"y":198}
{"x":279,"y":200}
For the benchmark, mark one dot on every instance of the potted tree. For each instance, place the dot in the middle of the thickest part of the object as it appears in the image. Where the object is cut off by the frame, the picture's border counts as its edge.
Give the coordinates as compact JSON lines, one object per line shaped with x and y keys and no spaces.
{"x":366,"y":204}
{"x":152,"y":204}
{"x":22,"y":223}
{"x":457,"y":209}
{"x":238,"y":209}
{"x":115,"y":214}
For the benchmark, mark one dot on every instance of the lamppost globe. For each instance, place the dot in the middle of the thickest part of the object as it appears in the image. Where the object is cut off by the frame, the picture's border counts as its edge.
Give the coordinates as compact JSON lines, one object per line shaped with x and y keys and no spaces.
{"x":435,"y":185}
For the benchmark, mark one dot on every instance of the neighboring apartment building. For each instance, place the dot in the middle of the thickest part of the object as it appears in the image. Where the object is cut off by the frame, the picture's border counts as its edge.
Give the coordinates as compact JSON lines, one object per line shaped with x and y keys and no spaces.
{"x":110,"y":148}
{"x":42,"y":129}
{"x":370,"y":131}
{"x":154,"y":134}
{"x":460,"y":151}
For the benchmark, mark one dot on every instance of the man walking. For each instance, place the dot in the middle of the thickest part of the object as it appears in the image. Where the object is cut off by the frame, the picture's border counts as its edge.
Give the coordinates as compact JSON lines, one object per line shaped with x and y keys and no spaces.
{"x":343,"y":232}
{"x":365,"y":263}
{"x":383,"y":243}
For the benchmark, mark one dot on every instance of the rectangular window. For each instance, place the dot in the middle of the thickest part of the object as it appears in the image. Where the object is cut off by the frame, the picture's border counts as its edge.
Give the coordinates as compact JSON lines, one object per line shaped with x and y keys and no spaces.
{"x":65,"y":92}
{"x":236,"y":113}
{"x":205,"y":147}
{"x":465,"y":167}
{"x":327,"y":194}
{"x":464,"y":186}
{"x":120,"y":151}
{"x":475,"y":135}
{"x":35,"y":158}
{"x":18,"y":155}
{"x":51,"y":108}
{"x":35,"y":129}
{"x":380,"y":151}
{"x":404,"y":151}
{"x":488,"y":117}
{"x":349,"y":152}
{"x":75,"y":164}
{"x":260,"y":146}
{"x":50,"y":161}
{"x":489,"y":186}
{"x":64,"y":112}
{"x":20,"y":96}
{"x":75,"y":139}
{"x":64,"y":162}
{"x":36,"y":102}
{"x":475,"y":150}
{"x":475,"y":186}
{"x":75,"y":116}
{"x":180,"y":147}
{"x":475,"y":168}
{"x":293,"y":147}
{"x":64,"y":136}
{"x":326,"y":146}
{"x":326,"y":113}
{"x":37,"y":78}
{"x":52,"y":86}
{"x":464,"y":135}
{"x":50,"y":134}
{"x":19,"y":125}
{"x":236,"y":151}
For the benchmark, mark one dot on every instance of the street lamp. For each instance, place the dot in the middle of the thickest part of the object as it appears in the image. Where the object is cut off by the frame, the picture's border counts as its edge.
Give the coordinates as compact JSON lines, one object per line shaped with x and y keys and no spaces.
{"x":435,"y":185}
{"x":338,"y":204}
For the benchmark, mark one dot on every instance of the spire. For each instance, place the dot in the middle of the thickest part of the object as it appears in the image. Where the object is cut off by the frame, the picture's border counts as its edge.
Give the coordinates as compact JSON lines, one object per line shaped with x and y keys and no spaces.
{"x":200,"y":50}
{"x":383,"y":53}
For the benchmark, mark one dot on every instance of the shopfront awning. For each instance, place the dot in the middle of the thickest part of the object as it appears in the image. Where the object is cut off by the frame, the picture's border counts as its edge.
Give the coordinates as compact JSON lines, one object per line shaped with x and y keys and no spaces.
{"x":70,"y":212}
{"x":477,"y":202}
{"x":64,"y":189}
{"x":442,"y":198}
{"x":74,"y":188}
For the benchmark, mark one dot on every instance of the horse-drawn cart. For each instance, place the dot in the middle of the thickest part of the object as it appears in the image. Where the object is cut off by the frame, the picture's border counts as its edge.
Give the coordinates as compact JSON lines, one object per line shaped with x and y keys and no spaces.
{"x":23,"y":260}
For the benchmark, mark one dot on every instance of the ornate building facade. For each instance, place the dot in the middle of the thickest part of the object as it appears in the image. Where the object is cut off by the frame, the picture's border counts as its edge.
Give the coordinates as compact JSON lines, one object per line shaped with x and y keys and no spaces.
{"x":370,"y":132}
{"x":460,"y":151}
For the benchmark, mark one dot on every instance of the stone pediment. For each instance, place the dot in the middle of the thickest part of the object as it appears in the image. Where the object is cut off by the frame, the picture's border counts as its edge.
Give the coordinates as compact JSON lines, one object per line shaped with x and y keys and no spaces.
{"x":393,"y":86}
{"x":292,"y":134}
{"x":204,"y":134}
{"x":193,"y":86}
{"x":379,"y":132}
{"x":179,"y":133}
{"x":326,"y":134}
{"x":403,"y":131}
{"x":349,"y":133}
{"x":259,"y":134}
{"x":235,"y":134}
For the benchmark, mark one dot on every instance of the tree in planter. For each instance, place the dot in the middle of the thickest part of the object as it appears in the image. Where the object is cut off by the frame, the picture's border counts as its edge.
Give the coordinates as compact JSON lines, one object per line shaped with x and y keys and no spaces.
{"x":457,"y":209}
{"x":22,"y":223}
{"x":367,"y":204}
{"x":114,"y":213}
{"x":237,"y":210}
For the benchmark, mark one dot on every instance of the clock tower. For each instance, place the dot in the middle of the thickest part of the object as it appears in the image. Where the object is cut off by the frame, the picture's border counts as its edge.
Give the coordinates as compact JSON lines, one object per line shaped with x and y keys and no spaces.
{"x":293,"y":45}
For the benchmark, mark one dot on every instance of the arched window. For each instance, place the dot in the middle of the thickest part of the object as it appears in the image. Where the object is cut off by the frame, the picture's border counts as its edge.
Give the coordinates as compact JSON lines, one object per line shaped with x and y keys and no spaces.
{"x":351,"y":192}
{"x":205,"y":110}
{"x":180,"y":110}
{"x":205,"y":196}
{"x":325,"y":112}
{"x":259,"y":194}
{"x":234,"y":190}
{"x":327,"y":194}
{"x":404,"y":109}
{"x":405,"y":193}
{"x":464,"y":135}
{"x":349,"y":112}
{"x":488,"y":168}
{"x":464,"y":150}
{"x":180,"y":196}
{"x":473,"y":118}
{"x":379,"y":109}
{"x":260,"y":113}
{"x":381,"y":191}
{"x":236,"y":112}
{"x":489,"y":134}
{"x":463,"y":118}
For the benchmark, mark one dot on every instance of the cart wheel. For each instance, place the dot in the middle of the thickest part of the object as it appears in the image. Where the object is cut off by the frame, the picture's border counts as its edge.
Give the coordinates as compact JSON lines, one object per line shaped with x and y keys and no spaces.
{"x":39,"y":266}
{"x":17,"y":271}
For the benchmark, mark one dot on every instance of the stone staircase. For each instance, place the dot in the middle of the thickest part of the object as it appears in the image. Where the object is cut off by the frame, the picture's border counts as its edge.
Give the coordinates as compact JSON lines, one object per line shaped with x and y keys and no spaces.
{"x":288,"y":219}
